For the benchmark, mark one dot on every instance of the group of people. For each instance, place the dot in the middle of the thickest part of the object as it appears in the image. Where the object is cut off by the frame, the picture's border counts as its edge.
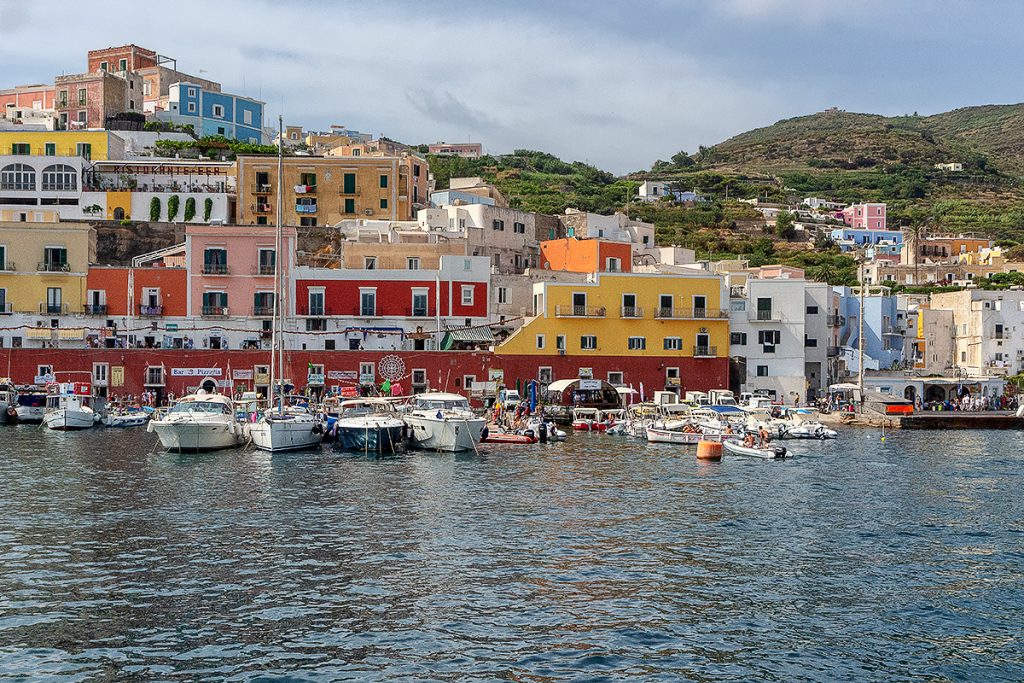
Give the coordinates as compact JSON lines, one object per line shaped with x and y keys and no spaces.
{"x":146,"y":399}
{"x":762,"y":440}
{"x":516,"y":417}
{"x":972,"y":403}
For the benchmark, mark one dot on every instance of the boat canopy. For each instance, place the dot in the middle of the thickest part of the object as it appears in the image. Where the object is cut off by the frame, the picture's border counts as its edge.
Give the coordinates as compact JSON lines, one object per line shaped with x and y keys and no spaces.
{"x":725,"y":410}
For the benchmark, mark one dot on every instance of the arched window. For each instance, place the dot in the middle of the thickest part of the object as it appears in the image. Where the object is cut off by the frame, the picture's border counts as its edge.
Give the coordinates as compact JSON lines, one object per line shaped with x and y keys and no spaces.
{"x":17,"y":177}
{"x":60,"y":178}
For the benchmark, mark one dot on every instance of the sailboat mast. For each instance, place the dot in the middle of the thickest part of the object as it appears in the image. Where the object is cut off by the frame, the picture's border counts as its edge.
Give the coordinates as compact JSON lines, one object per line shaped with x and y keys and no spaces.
{"x":275,"y":340}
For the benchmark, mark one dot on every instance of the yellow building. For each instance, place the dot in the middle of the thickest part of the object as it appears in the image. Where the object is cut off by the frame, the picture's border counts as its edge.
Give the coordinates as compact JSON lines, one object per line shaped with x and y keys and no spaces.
{"x":43,"y":266}
{"x":89,"y":144}
{"x":325,"y":190}
{"x":628,"y":315}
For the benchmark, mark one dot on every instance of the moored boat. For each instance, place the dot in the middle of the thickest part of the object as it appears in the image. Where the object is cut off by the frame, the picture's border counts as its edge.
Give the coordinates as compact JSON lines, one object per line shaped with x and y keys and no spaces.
{"x":768,"y":453}
{"x":201,"y":421}
{"x":126,"y":418}
{"x":443,"y":422}
{"x":67,"y":406}
{"x":31,"y":405}
{"x":286,"y":428}
{"x":369,"y":425}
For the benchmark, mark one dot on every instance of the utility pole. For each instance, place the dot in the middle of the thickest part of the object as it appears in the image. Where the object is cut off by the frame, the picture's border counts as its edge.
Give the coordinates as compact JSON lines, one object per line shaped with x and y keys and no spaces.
{"x":860,"y":340}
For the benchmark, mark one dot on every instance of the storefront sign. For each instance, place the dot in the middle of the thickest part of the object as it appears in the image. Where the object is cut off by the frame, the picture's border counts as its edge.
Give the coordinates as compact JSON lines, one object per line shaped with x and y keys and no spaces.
{"x":171,"y":327}
{"x":44,"y":379}
{"x":315,"y":378}
{"x":241,"y":374}
{"x":496,"y":375}
{"x":117,"y":376}
{"x":196,"y":372}
{"x":349,"y":375}
{"x":590,"y":384}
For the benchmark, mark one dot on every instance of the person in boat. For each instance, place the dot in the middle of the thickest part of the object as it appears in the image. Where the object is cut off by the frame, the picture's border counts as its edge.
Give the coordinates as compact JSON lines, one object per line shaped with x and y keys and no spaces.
{"x":728,"y":429}
{"x":748,"y":440}
{"x":762,"y":437}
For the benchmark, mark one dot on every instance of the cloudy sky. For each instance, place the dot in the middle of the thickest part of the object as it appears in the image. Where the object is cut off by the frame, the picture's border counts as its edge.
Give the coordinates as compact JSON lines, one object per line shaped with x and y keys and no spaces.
{"x":616,"y":83}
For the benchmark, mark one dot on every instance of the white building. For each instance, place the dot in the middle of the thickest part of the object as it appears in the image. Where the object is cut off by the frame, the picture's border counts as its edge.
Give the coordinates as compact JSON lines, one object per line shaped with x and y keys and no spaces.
{"x":819,"y":203}
{"x":782,"y":336}
{"x":988,"y":330}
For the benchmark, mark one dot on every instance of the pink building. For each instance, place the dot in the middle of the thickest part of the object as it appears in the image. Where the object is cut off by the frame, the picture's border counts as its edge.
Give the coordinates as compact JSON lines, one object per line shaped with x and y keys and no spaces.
{"x":231,"y":270}
{"x":26,"y":102}
{"x":865,"y":216}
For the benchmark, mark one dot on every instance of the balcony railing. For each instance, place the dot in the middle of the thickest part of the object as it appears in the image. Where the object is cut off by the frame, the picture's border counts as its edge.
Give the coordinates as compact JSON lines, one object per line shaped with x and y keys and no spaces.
{"x":215,"y":311}
{"x":631,"y":312}
{"x":690,"y":313}
{"x":1000,"y":335}
{"x":766,"y":316}
{"x":150,"y":310}
{"x":8,"y":266}
{"x":96,"y":309}
{"x":264,"y":269}
{"x":53,"y":267}
{"x":261,"y":188}
{"x":263,"y":310}
{"x":835,"y":320}
{"x":705,"y":351}
{"x":420,"y":313}
{"x":579,"y":311}
{"x":215,"y":269}
{"x":27,"y":186}
{"x":305,"y":208}
{"x":305,"y":189}
{"x":53,"y":309}
{"x":262,"y":208}
{"x":6,"y":308}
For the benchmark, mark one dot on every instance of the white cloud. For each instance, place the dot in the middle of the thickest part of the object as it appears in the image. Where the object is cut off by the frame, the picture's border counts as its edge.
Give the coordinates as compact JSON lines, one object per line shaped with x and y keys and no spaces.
{"x":521,"y":81}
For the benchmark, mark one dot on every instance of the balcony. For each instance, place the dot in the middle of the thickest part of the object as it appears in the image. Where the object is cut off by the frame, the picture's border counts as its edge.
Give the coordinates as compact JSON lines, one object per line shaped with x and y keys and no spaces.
{"x":305,"y":189}
{"x":149,"y":311}
{"x":215,"y":311}
{"x":6,"y":308}
{"x":215,"y":269}
{"x":705,"y":351}
{"x":262,"y":208}
{"x":835,"y":320}
{"x":833,"y":351}
{"x":690,"y":314}
{"x":631,"y":312}
{"x":53,"y":309}
{"x":53,"y":267}
{"x":765,"y":316}
{"x":8,"y":266}
{"x":264,"y":269}
{"x":261,"y":188}
{"x":579,"y":312}
{"x":999,"y":336}
{"x":263,"y":311}
{"x":305,"y":208}
{"x":96,"y":309}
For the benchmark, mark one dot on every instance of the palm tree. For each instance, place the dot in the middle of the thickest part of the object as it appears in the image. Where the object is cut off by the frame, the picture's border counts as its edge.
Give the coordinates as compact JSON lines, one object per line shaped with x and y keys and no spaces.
{"x":825,"y":272}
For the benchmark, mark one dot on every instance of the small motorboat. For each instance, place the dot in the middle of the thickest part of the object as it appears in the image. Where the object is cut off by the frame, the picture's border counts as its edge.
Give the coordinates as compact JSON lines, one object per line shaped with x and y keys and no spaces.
{"x":509,"y":437}
{"x":67,"y":406}
{"x":553,"y":433}
{"x":128,"y":418}
{"x":769,"y":453}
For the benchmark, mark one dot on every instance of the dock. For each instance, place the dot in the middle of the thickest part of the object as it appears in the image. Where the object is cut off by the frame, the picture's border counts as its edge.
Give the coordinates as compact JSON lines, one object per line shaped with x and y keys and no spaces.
{"x":928,"y":420}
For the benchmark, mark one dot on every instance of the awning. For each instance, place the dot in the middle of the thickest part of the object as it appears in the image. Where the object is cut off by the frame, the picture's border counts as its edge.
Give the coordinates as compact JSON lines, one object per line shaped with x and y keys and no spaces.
{"x":561,"y":384}
{"x":39,"y":333}
{"x":466,"y":335}
{"x":71,"y":333}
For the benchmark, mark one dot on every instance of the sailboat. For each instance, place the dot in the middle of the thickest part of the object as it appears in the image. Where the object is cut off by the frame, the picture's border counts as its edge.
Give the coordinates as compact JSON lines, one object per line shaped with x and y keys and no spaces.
{"x":281,"y":427}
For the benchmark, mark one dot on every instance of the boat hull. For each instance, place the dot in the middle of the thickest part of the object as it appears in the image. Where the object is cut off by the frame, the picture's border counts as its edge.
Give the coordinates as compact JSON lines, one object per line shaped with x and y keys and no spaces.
{"x":285,"y":435}
{"x":449,"y":435}
{"x":31,"y":414}
{"x":683,"y":438}
{"x":770,"y":453}
{"x":63,"y":420}
{"x":195,"y":436}
{"x":126,"y":420}
{"x":369,"y":439}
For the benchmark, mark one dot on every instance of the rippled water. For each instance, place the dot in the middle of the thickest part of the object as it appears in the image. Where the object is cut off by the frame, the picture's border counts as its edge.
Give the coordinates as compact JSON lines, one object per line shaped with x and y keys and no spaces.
{"x":598,"y":559}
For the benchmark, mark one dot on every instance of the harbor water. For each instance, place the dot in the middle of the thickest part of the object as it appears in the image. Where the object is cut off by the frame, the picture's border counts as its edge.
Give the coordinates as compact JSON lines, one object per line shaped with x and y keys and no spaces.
{"x":603,"y":558}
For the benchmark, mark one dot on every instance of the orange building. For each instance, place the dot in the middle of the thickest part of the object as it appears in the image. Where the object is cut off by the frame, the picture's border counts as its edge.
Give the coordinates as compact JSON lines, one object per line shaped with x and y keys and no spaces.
{"x":159,"y":291}
{"x":586,"y":256}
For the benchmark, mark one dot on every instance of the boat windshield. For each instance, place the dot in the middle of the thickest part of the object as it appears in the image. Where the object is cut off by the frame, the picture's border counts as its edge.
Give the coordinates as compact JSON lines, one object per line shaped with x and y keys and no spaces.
{"x":200,"y":407}
{"x":442,"y":405}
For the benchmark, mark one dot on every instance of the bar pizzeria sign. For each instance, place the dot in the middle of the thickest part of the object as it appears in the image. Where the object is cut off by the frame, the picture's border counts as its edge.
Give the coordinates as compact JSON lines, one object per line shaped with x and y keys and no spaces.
{"x":196,"y":372}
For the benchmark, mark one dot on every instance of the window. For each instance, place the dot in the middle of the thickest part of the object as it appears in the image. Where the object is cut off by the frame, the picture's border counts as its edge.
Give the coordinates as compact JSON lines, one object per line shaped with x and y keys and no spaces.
{"x":383,"y":203}
{"x":350,"y":206}
{"x":54,"y":300}
{"x":419,"y":303}
{"x":416,"y":170}
{"x":540,"y":341}
{"x":412,"y":263}
{"x":267,"y":261}
{"x":50,"y":149}
{"x":812,"y":310}
{"x":762,"y":370}
{"x":673,"y":344}
{"x":60,"y":178}
{"x":261,"y":220}
{"x":498,"y":225}
{"x":103,"y":66}
{"x":613,"y":265}
{"x":738,"y":338}
{"x":122,"y":65}
{"x":637,"y":343}
{"x":703,"y":346}
{"x":155,"y":376}
{"x":55,"y":259}
{"x":147,"y":89}
{"x":467,"y":295}
{"x":82,"y":95}
{"x":700,"y":307}
{"x":383,"y":180}
{"x":579,"y":303}
{"x":519,"y":228}
{"x":215,"y":261}
{"x":17,"y":177}
{"x":349,"y":183}
{"x":304,"y":221}
{"x":370,"y":263}
{"x":315,"y":298}
{"x":810,"y":342}
{"x":63,"y":98}
{"x":768,"y":339}
{"x":3,"y":257}
{"x":666,"y":304}
{"x":191,"y":107}
{"x":419,"y":381}
{"x":83,"y":149}
{"x":307,"y":180}
{"x":588,"y":342}
{"x":615,"y":378}
{"x":544,"y":375}
{"x":191,"y":92}
{"x":367,"y":302}
{"x":764,"y":308}
{"x":247,"y":117}
{"x":263,"y":303}
{"x":316,"y":325}
{"x":502,"y":295}
{"x":215,"y":303}
{"x":21,"y":149}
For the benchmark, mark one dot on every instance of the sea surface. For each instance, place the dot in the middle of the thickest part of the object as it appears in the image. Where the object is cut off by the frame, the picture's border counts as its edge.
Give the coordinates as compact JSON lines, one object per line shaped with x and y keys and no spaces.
{"x":600,"y":559}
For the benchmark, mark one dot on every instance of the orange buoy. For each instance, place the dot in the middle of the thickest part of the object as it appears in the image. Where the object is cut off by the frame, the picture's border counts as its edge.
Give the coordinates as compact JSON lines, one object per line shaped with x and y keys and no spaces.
{"x":709,"y":450}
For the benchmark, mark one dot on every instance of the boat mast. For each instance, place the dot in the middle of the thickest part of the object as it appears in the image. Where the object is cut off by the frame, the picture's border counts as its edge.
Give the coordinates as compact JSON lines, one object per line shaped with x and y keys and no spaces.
{"x":274,"y":338}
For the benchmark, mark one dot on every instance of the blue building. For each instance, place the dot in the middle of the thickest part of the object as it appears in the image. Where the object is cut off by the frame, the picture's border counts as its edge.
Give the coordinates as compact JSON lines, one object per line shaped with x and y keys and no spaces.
{"x":215,"y":113}
{"x":885,"y":328}
{"x":849,"y":239}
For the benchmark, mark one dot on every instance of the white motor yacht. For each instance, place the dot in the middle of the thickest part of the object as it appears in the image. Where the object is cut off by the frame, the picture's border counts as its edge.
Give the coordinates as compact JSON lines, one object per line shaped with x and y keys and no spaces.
{"x":443,"y":422}
{"x":286,"y":428}
{"x":368,"y":425}
{"x":31,"y":405}
{"x":67,"y":406}
{"x":8,"y":401}
{"x":198,"y":422}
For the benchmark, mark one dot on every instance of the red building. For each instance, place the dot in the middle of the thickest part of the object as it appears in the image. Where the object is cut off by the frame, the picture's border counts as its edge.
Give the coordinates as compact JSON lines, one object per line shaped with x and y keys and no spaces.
{"x":123,"y":58}
{"x":159,"y":291}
